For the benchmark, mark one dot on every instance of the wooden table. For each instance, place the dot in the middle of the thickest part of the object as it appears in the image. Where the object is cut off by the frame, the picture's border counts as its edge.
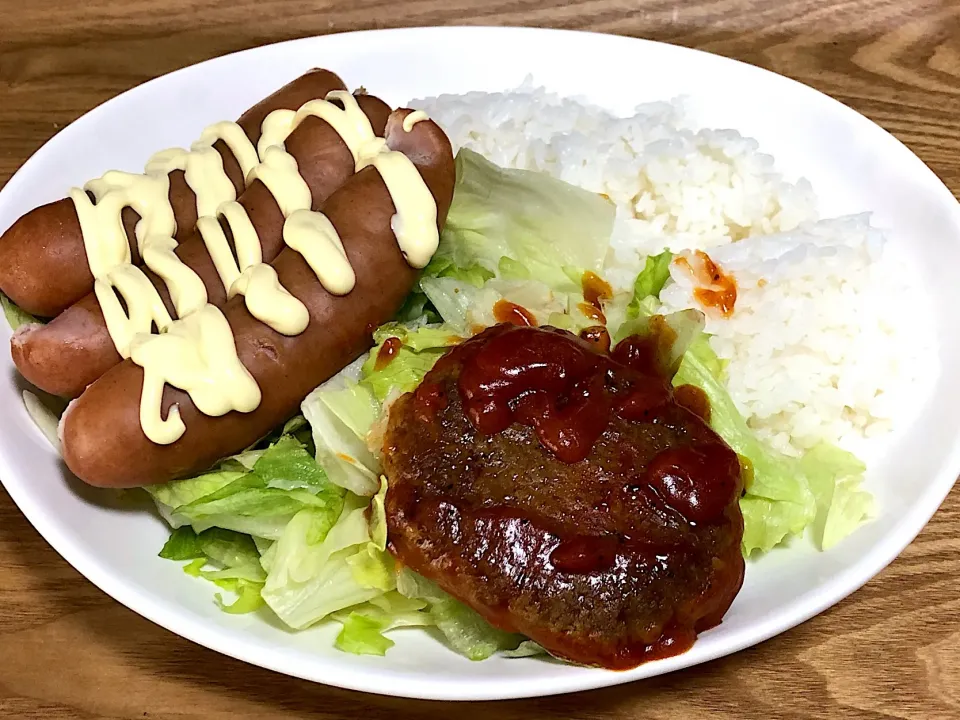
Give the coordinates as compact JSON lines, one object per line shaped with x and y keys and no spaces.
{"x":893,"y":649}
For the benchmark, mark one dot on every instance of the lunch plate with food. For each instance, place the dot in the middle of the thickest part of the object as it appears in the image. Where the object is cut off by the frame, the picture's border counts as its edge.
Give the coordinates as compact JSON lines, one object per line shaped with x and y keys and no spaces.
{"x":474,"y":363}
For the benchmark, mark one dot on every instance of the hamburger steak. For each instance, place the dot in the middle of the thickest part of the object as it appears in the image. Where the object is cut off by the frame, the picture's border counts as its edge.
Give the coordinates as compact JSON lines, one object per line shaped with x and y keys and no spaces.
{"x":567,"y":493}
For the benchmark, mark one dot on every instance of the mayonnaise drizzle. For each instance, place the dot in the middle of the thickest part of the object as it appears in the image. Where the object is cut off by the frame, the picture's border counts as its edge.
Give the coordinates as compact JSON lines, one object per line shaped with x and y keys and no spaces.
{"x":279,"y":172}
{"x":104,"y":237}
{"x":235,"y":139}
{"x":203,"y":170}
{"x":187,"y":292}
{"x":197,"y":353}
{"x":415,"y":222}
{"x":269,"y":302}
{"x":245,"y":241}
{"x":413,"y":118}
{"x":313,"y":235}
{"x":149,"y":309}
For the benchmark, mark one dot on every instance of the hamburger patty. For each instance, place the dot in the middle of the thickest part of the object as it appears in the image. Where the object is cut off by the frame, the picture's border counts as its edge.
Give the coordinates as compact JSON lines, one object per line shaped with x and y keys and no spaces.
{"x":564,"y":493}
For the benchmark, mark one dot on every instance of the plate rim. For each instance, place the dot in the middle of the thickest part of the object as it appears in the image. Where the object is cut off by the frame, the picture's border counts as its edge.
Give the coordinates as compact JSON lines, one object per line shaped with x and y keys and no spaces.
{"x":840,"y":585}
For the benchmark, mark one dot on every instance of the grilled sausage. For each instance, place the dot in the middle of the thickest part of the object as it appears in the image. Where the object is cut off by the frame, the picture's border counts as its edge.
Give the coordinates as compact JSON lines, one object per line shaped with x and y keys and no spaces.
{"x":75,"y":349}
{"x":43,"y":263}
{"x":103,"y":443}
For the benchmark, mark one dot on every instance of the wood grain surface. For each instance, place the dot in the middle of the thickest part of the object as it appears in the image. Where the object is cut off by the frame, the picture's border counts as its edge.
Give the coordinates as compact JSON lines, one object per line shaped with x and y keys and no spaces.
{"x":891,"y":650}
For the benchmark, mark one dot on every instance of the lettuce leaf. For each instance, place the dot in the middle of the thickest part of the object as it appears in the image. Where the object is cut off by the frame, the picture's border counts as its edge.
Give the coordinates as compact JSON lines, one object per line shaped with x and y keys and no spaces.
{"x":650,"y":281}
{"x":15,"y":315}
{"x":784,"y":495}
{"x":255,"y":493}
{"x":468,"y":633}
{"x":402,"y":374}
{"x":288,"y":466}
{"x":842,"y":505}
{"x":343,"y":411}
{"x":364,"y":625}
{"x":464,"y":629}
{"x":443,"y":266}
{"x":183,"y":544}
{"x":363,"y":635}
{"x":465,"y":308}
{"x":341,"y":414}
{"x":317,"y":569}
{"x":233,"y":561}
{"x":420,"y":349}
{"x":544,"y":225}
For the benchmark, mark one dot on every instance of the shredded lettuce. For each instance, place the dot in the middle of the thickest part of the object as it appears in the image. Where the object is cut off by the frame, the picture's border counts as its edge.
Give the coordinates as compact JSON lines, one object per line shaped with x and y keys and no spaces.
{"x":363,"y":635}
{"x":420,"y":349}
{"x":344,"y":409}
{"x":546,"y":228}
{"x":255,"y":493}
{"x":223,"y":518}
{"x":14,"y":314}
{"x":465,"y":308}
{"x":464,"y":629}
{"x":835,"y":476}
{"x":341,"y":416}
{"x":316,"y":569}
{"x":784,"y":495}
{"x":364,"y":625}
{"x":650,"y":281}
{"x":403,"y":373}
{"x":512,"y":235}
{"x":233,"y":558}
{"x":443,"y":265}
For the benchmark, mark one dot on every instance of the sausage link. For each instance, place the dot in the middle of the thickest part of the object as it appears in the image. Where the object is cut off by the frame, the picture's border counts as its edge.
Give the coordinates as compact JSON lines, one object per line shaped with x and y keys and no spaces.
{"x":103,"y":443}
{"x":75,"y":348}
{"x":43,"y":263}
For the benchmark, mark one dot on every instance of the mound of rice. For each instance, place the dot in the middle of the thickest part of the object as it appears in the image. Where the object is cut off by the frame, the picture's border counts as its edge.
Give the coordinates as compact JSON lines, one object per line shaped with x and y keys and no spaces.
{"x":824,"y":342}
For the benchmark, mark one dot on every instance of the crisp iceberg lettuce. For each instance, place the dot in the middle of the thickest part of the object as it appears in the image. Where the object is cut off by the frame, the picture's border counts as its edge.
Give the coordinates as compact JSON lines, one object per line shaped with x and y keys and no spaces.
{"x":223,"y":518}
{"x":340,"y":418}
{"x":466,"y":309}
{"x":232,"y":557}
{"x":419,"y":348}
{"x":650,"y":281}
{"x":464,"y":629}
{"x":784,"y":495}
{"x":512,"y":235}
{"x":343,"y":411}
{"x":316,"y":569}
{"x":546,"y":228}
{"x":15,"y":315}
{"x":256,"y":493}
{"x":835,"y":477}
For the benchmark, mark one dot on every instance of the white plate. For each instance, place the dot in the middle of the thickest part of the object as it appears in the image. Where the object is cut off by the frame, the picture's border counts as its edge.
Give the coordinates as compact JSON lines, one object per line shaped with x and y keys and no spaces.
{"x":853,"y":164}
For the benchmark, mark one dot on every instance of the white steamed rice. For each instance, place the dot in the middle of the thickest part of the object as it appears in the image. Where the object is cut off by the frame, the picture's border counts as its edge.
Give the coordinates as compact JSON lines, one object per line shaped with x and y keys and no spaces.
{"x":827,"y":340}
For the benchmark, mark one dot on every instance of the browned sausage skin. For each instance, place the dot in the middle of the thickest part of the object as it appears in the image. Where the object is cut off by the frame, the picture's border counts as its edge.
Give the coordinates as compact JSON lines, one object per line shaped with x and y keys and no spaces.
{"x":103,"y":443}
{"x":43,"y":266}
{"x":75,"y":349}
